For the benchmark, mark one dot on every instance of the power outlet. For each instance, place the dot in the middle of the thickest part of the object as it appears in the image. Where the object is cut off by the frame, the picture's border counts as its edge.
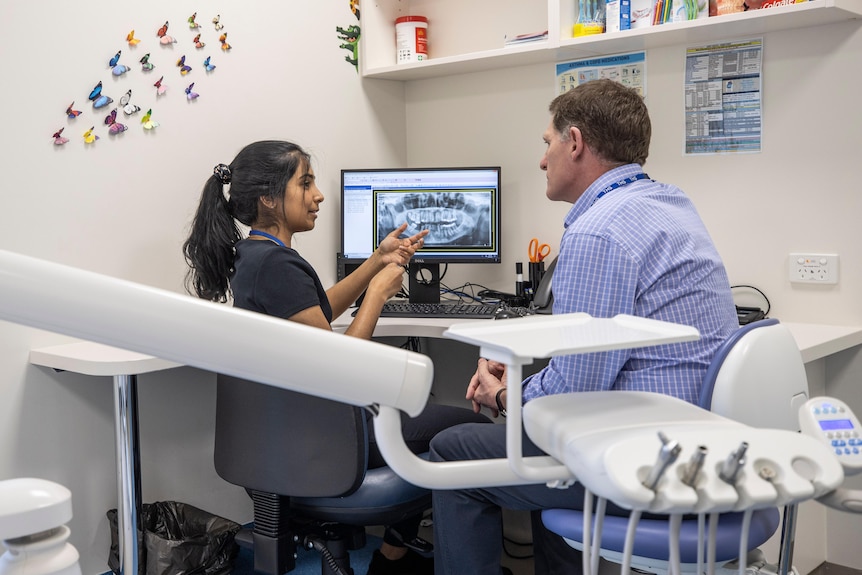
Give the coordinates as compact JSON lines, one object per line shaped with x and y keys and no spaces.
{"x":813,"y":268}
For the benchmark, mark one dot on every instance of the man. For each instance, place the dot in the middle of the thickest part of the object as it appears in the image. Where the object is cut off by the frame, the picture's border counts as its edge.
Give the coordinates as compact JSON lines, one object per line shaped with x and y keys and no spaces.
{"x":631,"y":245}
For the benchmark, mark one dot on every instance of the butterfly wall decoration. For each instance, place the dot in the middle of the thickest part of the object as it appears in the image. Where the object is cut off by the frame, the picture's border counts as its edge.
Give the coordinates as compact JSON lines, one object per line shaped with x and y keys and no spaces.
{"x":190,"y":95}
{"x":71,"y":112}
{"x":59,"y":140}
{"x":147,"y":120}
{"x":114,"y":127}
{"x":129,"y":108}
{"x":162,"y":33}
{"x":184,"y":68}
{"x":99,"y":100}
{"x":90,"y":136}
{"x":160,"y":87}
{"x":146,"y":65}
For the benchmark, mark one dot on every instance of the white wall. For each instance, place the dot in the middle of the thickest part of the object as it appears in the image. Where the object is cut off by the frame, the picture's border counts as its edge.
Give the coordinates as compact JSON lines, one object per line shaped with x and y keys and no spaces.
{"x":121,"y":207}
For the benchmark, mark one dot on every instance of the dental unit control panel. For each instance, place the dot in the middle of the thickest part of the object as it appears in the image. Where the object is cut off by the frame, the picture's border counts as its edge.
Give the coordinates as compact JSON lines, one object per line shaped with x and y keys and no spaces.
{"x":831,"y":421}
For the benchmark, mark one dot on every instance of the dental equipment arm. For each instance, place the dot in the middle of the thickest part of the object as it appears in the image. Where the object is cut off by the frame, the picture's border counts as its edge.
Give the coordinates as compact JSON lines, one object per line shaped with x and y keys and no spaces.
{"x":516,"y":344}
{"x":210,"y":336}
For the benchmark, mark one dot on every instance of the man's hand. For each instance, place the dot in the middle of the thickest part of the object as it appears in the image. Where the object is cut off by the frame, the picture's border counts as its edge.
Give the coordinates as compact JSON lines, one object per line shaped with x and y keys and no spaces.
{"x":482,"y":390}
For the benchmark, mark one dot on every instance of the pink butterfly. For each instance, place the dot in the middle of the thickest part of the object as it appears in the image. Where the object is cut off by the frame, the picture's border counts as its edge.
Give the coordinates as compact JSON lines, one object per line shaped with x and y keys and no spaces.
{"x":160,"y":89}
{"x":114,"y":127}
{"x":59,"y":140}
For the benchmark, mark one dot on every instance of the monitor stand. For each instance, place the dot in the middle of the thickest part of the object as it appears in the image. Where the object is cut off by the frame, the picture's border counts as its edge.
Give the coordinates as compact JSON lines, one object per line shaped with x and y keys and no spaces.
{"x":424,"y":282}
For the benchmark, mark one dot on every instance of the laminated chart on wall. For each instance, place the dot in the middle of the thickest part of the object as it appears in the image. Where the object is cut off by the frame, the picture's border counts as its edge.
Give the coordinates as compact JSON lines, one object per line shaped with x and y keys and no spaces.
{"x":723,"y":98}
{"x":627,"y":69}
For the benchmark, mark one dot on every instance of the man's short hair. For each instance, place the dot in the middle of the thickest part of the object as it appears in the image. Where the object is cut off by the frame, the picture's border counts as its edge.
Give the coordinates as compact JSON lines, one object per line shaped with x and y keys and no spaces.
{"x":612,"y":118}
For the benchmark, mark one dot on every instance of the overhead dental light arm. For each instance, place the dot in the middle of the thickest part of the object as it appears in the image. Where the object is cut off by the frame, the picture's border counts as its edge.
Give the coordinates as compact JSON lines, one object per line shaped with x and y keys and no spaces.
{"x":210,"y":336}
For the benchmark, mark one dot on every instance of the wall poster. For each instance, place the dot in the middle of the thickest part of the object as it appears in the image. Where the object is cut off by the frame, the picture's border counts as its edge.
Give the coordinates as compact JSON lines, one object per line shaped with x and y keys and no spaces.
{"x":627,"y":69}
{"x":723,"y":98}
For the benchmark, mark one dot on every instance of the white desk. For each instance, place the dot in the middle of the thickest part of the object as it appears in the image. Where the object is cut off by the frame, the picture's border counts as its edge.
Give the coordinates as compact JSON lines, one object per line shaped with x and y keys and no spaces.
{"x":815,"y":341}
{"x":123,"y":366}
{"x":398,"y":326}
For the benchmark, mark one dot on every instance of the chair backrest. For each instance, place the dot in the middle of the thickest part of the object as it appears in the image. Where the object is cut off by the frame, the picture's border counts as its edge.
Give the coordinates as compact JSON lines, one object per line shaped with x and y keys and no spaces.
{"x":757,"y":377}
{"x":278,"y":441}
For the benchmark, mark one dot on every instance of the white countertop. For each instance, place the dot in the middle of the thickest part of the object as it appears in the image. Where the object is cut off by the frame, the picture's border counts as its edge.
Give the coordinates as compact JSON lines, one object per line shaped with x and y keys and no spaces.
{"x":97,"y":359}
{"x":815,"y":341}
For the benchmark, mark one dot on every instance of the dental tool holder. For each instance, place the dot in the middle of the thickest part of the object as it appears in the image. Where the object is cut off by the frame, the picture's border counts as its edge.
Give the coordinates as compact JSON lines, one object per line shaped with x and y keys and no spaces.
{"x":609,"y":440}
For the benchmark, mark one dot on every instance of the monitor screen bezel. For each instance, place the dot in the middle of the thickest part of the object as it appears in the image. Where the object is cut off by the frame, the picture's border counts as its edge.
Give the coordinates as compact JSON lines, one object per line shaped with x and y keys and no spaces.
{"x":490,"y":257}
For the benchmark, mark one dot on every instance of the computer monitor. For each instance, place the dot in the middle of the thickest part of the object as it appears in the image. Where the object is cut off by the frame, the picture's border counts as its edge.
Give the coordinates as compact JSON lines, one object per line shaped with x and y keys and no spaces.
{"x":459,"y":206}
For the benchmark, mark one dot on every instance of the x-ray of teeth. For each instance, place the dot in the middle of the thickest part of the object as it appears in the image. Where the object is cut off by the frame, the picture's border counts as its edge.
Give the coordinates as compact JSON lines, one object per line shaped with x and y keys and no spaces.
{"x":459,"y":218}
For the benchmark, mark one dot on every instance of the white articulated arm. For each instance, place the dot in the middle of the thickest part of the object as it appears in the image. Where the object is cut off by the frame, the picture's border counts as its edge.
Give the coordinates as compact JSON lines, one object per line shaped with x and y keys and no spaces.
{"x":210,"y":336}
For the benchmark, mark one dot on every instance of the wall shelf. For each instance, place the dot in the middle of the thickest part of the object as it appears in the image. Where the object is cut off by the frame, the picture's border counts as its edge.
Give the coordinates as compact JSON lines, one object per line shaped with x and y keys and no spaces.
{"x":378,"y":25}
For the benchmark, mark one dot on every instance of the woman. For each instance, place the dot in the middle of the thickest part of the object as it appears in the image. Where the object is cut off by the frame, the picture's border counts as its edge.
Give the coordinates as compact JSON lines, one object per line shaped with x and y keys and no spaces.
{"x":271,"y":188}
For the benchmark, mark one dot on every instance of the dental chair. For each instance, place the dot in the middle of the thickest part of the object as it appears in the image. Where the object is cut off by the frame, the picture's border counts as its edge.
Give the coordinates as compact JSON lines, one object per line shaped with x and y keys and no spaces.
{"x":757,"y":377}
{"x":303,"y":461}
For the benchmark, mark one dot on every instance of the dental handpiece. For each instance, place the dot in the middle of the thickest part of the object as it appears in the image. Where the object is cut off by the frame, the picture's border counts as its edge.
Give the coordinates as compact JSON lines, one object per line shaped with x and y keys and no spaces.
{"x":734,"y":462}
{"x":695,"y":464}
{"x":666,"y":457}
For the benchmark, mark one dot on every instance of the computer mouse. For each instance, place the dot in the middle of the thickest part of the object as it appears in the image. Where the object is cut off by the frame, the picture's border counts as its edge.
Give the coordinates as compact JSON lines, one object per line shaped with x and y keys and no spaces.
{"x":505,"y":313}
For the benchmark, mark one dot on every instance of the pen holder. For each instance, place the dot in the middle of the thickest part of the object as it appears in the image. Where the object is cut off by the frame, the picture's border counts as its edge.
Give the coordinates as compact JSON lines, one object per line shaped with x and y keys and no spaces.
{"x":536,"y":271}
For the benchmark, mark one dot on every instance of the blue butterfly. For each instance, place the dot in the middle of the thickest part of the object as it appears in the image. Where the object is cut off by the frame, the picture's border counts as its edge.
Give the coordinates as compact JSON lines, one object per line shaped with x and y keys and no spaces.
{"x":99,"y":100}
{"x":115,"y":60}
{"x":209,"y":67}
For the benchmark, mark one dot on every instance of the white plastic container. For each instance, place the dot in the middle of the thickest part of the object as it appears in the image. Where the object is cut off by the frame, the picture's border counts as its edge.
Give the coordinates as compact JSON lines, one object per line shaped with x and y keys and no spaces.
{"x":411,"y":39}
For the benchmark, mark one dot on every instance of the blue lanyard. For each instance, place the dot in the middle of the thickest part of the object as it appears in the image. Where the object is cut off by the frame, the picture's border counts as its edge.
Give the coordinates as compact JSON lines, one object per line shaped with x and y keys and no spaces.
{"x":620,"y":184}
{"x":270,"y":237}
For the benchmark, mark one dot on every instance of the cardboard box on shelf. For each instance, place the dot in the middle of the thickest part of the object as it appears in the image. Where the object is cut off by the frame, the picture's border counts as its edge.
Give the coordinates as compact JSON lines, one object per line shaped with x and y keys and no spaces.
{"x":721,"y":7}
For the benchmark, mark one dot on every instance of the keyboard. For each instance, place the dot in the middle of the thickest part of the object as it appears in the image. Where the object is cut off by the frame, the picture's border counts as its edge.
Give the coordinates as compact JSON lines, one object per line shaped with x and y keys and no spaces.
{"x":438,"y":310}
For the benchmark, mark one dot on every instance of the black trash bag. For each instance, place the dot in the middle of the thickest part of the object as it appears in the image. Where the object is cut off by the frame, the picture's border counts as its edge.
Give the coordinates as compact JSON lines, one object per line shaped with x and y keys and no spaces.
{"x":179,"y":539}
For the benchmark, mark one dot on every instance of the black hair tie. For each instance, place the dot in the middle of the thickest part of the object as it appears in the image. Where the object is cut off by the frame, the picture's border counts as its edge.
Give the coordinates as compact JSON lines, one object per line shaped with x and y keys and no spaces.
{"x":222,"y":172}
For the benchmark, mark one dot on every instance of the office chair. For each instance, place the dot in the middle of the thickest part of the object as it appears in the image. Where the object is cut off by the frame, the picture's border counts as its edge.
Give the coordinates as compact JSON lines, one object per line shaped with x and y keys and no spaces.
{"x":303,"y":461}
{"x":756,"y":377}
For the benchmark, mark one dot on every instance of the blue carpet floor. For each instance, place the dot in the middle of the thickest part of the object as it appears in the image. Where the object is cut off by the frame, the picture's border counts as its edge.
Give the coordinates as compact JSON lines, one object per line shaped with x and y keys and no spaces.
{"x":308,"y":561}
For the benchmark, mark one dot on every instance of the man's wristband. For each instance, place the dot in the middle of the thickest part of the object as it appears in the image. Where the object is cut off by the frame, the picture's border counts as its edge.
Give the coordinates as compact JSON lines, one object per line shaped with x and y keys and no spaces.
{"x":500,"y":407}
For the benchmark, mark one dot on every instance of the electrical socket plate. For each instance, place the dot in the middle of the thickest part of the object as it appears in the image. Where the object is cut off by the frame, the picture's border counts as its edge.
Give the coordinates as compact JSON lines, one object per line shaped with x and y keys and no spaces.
{"x":813,"y":268}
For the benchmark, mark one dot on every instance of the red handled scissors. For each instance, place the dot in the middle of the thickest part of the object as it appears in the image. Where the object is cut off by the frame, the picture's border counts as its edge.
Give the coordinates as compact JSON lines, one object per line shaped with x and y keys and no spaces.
{"x":537,"y":251}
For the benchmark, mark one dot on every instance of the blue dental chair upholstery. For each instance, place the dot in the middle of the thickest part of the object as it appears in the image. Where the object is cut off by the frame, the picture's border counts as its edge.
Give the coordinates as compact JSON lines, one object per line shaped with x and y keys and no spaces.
{"x":303,"y":461}
{"x":757,"y":377}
